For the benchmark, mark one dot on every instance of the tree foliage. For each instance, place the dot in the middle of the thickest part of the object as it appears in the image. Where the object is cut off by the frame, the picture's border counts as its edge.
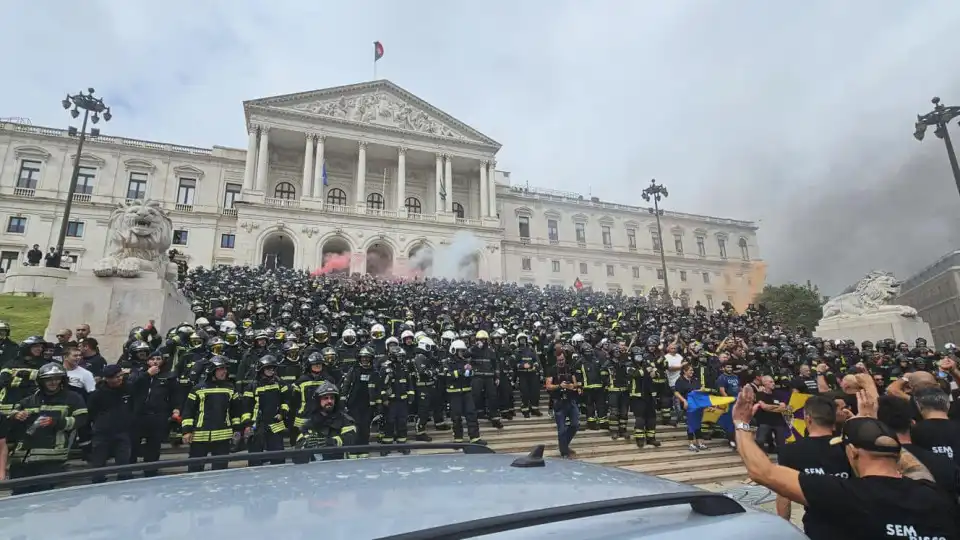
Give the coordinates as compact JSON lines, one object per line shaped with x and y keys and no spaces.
{"x":792,"y":304}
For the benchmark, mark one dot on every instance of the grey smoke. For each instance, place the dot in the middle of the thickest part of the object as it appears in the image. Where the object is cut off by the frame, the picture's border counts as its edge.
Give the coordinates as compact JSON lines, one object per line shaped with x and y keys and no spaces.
{"x":455,"y":260}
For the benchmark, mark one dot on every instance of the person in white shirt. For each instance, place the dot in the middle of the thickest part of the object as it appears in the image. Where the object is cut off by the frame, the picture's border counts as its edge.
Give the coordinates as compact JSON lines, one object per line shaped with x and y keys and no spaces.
{"x":674,"y":367}
{"x":80,"y":378}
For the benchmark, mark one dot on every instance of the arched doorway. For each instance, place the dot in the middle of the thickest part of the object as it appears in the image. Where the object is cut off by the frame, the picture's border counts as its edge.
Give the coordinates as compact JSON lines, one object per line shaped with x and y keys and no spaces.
{"x":379,"y":259}
{"x":278,"y":250}
{"x":420,"y":260}
{"x":335,"y":256}
{"x":470,"y":267}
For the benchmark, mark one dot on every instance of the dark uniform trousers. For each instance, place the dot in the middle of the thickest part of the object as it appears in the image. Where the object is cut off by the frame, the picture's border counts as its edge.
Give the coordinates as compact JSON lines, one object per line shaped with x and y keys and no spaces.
{"x":529,"y":382}
{"x":106,"y":445}
{"x":429,"y":402}
{"x":395,"y":421}
{"x":362,"y":415}
{"x":619,"y":404}
{"x":266,"y":441}
{"x":644,"y":410}
{"x":595,"y":403}
{"x":26,"y":470}
{"x":505,"y":397}
{"x":148,"y":433}
{"x":212,"y":448}
{"x":461,"y":405}
{"x":484,"y":391}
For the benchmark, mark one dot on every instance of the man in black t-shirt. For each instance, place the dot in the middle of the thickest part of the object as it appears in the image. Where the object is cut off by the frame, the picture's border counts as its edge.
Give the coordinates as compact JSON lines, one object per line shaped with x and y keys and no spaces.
{"x":936,"y":432}
{"x":876,"y":503}
{"x":562,"y":385}
{"x":814,"y":454}
{"x":770,"y":422}
{"x":898,"y":414}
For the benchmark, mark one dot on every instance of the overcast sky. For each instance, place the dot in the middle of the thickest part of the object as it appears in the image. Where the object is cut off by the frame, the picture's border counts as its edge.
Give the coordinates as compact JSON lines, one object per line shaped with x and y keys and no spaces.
{"x":797,"y":115}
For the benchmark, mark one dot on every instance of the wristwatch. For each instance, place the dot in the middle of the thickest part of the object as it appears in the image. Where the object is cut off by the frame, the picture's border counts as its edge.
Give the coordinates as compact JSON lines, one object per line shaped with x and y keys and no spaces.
{"x":743,"y":426}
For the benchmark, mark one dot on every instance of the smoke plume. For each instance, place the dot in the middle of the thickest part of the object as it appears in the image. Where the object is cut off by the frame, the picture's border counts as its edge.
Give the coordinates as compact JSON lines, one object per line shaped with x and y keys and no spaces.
{"x":455,"y":260}
{"x":333,"y":262}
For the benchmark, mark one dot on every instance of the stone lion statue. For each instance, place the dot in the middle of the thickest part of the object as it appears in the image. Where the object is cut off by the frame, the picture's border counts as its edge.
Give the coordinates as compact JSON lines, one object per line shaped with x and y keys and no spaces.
{"x":871,"y":295}
{"x":139,"y":235}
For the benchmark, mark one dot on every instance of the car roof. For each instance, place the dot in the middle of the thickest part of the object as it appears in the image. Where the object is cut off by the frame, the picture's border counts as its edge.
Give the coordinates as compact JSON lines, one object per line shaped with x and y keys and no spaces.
{"x":367,"y":498}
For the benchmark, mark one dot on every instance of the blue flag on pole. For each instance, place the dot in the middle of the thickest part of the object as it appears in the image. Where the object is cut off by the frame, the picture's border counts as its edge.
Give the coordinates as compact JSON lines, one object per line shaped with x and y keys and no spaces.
{"x":324,"y":174}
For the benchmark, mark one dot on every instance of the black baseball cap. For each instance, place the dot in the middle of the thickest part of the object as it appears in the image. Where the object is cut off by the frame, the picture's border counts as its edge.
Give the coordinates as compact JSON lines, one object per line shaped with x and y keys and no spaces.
{"x":868,"y":434}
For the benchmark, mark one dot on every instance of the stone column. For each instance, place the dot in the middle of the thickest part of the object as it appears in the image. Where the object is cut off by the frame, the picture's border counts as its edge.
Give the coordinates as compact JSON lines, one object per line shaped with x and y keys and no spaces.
{"x":307,"y":184}
{"x":438,"y":179}
{"x":250,"y":169}
{"x":318,"y":191}
{"x":263,"y":158}
{"x":484,"y":197}
{"x":362,"y":174}
{"x":492,"y":178}
{"x":448,"y":182}
{"x":401,"y":178}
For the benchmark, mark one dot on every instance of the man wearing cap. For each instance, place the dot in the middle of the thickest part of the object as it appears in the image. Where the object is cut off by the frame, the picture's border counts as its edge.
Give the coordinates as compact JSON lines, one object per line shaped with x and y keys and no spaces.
{"x":111,"y":413}
{"x":892,"y":494}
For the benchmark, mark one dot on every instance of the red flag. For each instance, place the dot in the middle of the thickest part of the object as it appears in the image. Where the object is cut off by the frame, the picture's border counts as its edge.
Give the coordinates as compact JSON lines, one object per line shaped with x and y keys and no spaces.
{"x":377,"y":50}
{"x":578,"y":284}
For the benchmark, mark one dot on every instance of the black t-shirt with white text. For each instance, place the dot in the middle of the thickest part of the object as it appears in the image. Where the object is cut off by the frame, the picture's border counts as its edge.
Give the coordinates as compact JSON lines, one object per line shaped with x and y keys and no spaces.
{"x":938,"y":435}
{"x":879,"y":507}
{"x":945,"y":472}
{"x":815,"y":455}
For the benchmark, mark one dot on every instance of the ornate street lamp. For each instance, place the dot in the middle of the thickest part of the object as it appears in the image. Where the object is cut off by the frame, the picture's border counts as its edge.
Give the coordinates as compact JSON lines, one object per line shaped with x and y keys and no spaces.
{"x":656,"y":192}
{"x":89,"y":104}
{"x":939,"y":117}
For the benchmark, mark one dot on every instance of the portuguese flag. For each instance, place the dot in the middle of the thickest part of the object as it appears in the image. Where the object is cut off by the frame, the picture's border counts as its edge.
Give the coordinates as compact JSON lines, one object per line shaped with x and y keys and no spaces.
{"x":377,"y":50}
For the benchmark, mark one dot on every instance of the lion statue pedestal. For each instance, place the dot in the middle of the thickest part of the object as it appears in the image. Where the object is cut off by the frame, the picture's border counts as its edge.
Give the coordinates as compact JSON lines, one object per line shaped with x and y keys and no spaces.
{"x":134,"y":284}
{"x":865,"y":314}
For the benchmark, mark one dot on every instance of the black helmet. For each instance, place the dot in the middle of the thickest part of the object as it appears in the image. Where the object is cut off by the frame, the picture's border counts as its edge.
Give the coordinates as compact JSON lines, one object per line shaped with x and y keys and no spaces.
{"x":315,"y":359}
{"x":325,"y":389}
{"x":267,"y":361}
{"x":138,"y":347}
{"x":216,"y":362}
{"x":51,"y":372}
{"x":329,"y":355}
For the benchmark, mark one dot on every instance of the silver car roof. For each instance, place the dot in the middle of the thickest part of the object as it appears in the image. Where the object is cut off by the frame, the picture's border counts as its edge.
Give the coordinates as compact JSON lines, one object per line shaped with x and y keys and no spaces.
{"x":365,"y":499}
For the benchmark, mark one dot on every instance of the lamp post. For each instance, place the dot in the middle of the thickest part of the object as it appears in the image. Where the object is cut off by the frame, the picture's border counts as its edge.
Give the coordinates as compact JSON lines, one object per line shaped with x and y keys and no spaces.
{"x":656,"y":192}
{"x":939,"y":117}
{"x":89,"y":104}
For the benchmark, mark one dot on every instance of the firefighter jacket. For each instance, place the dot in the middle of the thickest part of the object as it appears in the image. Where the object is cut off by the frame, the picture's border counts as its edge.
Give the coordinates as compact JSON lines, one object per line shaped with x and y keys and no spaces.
{"x":396,"y":384}
{"x":301,"y":395}
{"x":591,"y":371}
{"x":617,"y":379}
{"x":456,"y":376}
{"x":484,"y":361}
{"x":265,"y":405}
{"x":213,"y":411}
{"x":325,"y":430}
{"x":51,"y":443}
{"x":289,"y":371}
{"x":347,"y":355}
{"x":18,"y":380}
{"x":526,"y":360}
{"x":360,"y":388}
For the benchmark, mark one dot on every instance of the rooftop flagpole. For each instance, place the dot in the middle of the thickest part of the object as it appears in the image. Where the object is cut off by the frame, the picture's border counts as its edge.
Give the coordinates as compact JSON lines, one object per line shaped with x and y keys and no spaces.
{"x":377,"y":55}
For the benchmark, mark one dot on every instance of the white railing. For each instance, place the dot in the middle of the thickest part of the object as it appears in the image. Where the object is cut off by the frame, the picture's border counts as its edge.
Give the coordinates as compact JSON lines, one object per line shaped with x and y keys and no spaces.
{"x":24,"y":192}
{"x":180,"y":207}
{"x":82,"y":197}
{"x":281,"y":203}
{"x":469,"y":221}
{"x":229,"y":212}
{"x":380,"y":212}
{"x":107,"y":139}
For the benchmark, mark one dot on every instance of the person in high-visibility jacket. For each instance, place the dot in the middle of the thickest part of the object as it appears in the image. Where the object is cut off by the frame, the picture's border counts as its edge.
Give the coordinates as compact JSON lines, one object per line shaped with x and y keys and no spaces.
{"x":266,"y":407}
{"x":328,"y":425}
{"x":212,"y":414}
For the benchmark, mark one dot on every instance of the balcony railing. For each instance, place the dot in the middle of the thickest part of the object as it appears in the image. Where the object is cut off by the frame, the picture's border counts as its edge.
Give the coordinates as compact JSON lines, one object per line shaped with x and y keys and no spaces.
{"x":469,"y":221}
{"x":229,"y":212}
{"x":181,"y":207}
{"x":380,"y":212}
{"x":24,"y":192}
{"x":82,"y":197}
{"x":281,"y":203}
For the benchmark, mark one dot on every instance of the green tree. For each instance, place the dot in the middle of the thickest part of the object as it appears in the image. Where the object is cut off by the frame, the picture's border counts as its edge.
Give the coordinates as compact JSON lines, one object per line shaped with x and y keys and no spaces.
{"x":792,"y":304}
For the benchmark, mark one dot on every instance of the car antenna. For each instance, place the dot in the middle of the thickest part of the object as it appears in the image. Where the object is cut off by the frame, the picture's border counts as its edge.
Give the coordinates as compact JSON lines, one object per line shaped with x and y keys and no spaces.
{"x":533,"y":459}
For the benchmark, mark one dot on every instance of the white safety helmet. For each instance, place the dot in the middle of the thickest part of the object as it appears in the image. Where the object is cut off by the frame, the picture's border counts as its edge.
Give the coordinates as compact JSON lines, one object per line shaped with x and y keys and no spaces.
{"x":457,"y":346}
{"x":406,"y":334}
{"x":577,"y":339}
{"x":500,"y":333}
{"x":227,"y":326}
{"x":426,"y":344}
{"x":377,"y":331}
{"x":449,"y":335}
{"x":201,"y":322}
{"x":419,"y":335}
{"x":392,"y":341}
{"x":349,"y":336}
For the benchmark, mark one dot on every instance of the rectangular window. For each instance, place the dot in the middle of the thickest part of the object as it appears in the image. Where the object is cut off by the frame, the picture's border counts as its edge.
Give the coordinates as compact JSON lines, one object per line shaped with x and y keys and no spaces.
{"x":659,"y":273}
{"x":230,"y":195}
{"x":8,"y":259}
{"x":75,"y":229}
{"x":710,"y":302}
{"x":656,"y":242}
{"x":744,"y":251}
{"x":17,"y":225}
{"x":701,"y":247}
{"x":137,"y":186}
{"x":85,"y":179}
{"x":227,"y":240}
{"x":706,"y":277}
{"x":29,"y":174}
{"x":553,"y":230}
{"x":632,"y":239}
{"x":726,"y":278}
{"x":180,"y":237}
{"x":555,"y":265}
{"x":186,"y":191}
{"x":524,"y":227}
{"x":609,"y":270}
{"x":723,"y":247}
{"x":581,"y":233}
{"x":525,"y":263}
{"x":583,"y":268}
{"x":678,"y":244}
{"x":683,"y":275}
{"x":605,"y":234}
{"x":636,"y":272}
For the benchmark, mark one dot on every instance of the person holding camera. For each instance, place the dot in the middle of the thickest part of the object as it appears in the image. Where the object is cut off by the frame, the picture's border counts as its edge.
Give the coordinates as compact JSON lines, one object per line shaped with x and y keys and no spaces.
{"x":563,"y":387}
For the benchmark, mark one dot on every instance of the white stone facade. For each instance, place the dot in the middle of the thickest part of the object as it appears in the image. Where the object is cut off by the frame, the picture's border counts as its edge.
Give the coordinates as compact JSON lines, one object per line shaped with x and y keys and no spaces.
{"x":360,"y":168}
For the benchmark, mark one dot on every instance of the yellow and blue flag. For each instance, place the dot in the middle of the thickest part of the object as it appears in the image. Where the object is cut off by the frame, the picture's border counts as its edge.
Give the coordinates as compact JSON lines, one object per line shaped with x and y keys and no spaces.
{"x":713,"y":408}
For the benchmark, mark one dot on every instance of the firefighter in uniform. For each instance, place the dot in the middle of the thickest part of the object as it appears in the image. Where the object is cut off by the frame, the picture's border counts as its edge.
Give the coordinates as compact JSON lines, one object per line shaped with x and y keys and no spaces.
{"x":18,"y":377}
{"x":265,"y":407}
{"x":328,"y":424}
{"x":485,"y":377}
{"x":643,"y":400}
{"x":361,"y":396}
{"x":212,"y":413}
{"x":508,"y":374}
{"x":43,"y":425}
{"x":592,"y":375}
{"x":429,"y":398}
{"x":301,"y":391}
{"x":457,"y":373}
{"x":396,"y":395}
{"x":617,"y":398}
{"x":528,"y":376}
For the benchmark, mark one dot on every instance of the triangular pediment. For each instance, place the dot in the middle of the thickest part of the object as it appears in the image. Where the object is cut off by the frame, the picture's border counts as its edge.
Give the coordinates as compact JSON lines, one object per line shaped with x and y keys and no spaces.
{"x":378,"y":103}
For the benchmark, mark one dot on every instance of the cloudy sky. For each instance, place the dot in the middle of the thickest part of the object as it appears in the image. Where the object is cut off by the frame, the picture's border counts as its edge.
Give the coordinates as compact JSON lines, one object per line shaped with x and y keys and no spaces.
{"x":797,"y":115}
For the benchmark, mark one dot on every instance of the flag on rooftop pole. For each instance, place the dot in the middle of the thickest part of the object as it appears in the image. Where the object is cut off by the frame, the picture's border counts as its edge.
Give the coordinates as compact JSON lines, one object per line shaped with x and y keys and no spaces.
{"x":377,"y":55}
{"x":324,"y":173}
